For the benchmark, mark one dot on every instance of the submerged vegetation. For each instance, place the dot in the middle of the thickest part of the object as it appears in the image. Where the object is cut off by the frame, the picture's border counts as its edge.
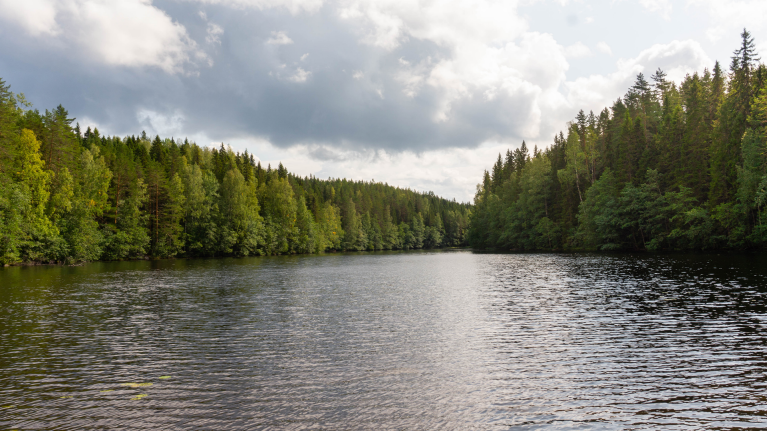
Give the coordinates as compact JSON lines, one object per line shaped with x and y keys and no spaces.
{"x":72,"y":196}
{"x":667,"y":167}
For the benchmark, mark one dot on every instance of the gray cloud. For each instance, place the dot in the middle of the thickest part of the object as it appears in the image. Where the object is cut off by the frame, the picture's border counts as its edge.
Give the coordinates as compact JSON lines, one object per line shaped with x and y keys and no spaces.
{"x":255,"y":88}
{"x":407,"y":92}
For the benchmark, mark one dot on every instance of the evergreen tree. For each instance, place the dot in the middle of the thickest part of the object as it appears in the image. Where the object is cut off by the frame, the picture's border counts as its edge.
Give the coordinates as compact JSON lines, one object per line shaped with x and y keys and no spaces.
{"x":666,"y":167}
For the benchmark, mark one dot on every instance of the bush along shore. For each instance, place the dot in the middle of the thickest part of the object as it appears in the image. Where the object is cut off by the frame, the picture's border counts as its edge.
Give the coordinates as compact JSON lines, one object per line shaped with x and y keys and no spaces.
{"x":666,"y":167}
{"x":71,"y":196}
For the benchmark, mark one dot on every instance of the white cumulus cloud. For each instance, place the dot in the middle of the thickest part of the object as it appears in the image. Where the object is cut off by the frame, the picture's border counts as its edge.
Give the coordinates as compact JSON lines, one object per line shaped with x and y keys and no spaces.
{"x":662,"y":7}
{"x":37,"y":17}
{"x":577,"y":50}
{"x":293,"y":6}
{"x":279,"y":38}
{"x":131,"y":33}
{"x":214,"y":33}
{"x":491,"y":53}
{"x":301,"y":75}
{"x":604,"y":48}
{"x":677,"y":59}
{"x":729,"y":17}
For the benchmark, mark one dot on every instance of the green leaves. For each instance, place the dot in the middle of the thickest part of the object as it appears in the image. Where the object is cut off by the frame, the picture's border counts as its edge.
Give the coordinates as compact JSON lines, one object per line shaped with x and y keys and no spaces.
{"x":72,"y":197}
{"x":675,"y":167}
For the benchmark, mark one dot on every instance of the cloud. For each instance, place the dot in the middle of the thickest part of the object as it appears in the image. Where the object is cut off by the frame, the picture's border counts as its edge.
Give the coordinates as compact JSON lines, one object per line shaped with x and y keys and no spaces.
{"x":411,"y":78}
{"x":577,"y":50}
{"x":662,"y":7}
{"x":156,"y":123}
{"x":436,"y":74}
{"x":130,"y":33}
{"x":390,"y":85}
{"x":279,"y":38}
{"x":301,"y":75}
{"x":37,"y":17}
{"x":86,"y":122}
{"x":677,"y":59}
{"x":731,"y":17}
{"x":604,"y":48}
{"x":450,"y":173}
{"x":447,"y":23}
{"x":489,"y":54}
{"x":293,"y":6}
{"x":214,"y":34}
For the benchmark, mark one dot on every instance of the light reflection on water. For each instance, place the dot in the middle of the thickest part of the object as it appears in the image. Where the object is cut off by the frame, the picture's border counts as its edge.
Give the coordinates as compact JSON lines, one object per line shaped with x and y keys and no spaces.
{"x":422,"y":340}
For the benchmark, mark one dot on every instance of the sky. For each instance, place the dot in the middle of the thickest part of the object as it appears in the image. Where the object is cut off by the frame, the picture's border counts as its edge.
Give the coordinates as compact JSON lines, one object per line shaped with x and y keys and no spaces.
{"x":417,"y":94}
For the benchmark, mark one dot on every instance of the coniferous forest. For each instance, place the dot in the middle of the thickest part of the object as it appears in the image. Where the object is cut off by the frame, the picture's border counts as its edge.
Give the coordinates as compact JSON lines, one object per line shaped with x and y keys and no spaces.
{"x":68,"y":195}
{"x":666,"y":167}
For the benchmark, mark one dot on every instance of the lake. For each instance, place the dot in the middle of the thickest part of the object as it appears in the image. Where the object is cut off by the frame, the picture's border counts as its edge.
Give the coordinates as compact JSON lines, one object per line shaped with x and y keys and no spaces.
{"x":400,"y":340}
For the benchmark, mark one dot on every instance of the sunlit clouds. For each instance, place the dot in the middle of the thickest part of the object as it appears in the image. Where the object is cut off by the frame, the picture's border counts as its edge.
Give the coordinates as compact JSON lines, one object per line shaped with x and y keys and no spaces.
{"x":431,"y":88}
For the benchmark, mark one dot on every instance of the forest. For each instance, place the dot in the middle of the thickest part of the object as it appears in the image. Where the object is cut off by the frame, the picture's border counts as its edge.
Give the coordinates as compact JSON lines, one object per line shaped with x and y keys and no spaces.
{"x":666,"y":167}
{"x":71,"y":196}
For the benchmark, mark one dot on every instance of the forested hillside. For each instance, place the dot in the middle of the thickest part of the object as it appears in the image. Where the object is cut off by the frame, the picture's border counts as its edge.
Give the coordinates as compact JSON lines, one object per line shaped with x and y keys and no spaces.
{"x":67,"y":196}
{"x":666,"y":167}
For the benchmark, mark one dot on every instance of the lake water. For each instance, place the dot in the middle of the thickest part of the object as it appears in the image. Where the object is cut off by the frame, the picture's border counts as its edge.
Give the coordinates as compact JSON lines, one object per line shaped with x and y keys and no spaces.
{"x":418,"y":340}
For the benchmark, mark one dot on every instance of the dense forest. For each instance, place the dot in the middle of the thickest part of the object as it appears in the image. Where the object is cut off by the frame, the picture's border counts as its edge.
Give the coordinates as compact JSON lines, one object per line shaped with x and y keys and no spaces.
{"x":666,"y":167}
{"x":72,"y":196}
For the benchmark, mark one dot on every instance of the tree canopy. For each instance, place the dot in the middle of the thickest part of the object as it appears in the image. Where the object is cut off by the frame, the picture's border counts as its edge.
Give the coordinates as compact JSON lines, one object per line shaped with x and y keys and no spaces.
{"x":69,"y":196}
{"x":666,"y":167}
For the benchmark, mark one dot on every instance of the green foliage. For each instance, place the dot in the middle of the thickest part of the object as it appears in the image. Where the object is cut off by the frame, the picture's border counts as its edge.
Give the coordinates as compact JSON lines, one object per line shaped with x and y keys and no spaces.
{"x":129,"y":238}
{"x":78,"y":224}
{"x":241,"y":225}
{"x":68,"y":196}
{"x":14,"y":202}
{"x":279,"y":214}
{"x":665,"y":168}
{"x":201,"y":211}
{"x":305,"y":237}
{"x":329,"y":227}
{"x":596,"y":215}
{"x":170,"y":240}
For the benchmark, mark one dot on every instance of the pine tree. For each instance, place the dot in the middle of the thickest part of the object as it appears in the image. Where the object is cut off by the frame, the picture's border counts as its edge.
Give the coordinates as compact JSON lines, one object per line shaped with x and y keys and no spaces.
{"x":733,"y":114}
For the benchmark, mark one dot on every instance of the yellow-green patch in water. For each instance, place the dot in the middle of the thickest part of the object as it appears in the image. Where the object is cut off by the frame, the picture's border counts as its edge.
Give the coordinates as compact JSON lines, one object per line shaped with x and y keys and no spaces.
{"x":107,"y":390}
{"x":8,"y":407}
{"x":138,"y":397}
{"x":164,"y":377}
{"x":135,"y":385}
{"x":68,"y":396}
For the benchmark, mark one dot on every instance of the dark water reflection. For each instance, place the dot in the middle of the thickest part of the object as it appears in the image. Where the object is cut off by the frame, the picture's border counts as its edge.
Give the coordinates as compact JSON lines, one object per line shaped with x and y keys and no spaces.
{"x":450,"y":340}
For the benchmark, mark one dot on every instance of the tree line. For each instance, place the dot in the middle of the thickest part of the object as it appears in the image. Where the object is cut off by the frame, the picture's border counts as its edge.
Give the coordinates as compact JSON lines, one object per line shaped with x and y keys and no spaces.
{"x":666,"y":167}
{"x":73,"y":196}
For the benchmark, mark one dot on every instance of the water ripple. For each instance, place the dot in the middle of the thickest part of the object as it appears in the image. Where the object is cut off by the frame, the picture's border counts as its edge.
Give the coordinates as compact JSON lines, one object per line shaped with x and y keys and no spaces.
{"x":442,"y":340}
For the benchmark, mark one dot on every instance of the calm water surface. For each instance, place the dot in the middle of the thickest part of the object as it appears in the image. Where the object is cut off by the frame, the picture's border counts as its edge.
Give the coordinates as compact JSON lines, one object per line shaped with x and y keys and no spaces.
{"x":442,"y":340}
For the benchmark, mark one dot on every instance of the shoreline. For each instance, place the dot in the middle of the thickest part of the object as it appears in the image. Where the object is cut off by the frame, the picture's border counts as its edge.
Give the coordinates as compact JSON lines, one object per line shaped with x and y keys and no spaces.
{"x":148,"y":258}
